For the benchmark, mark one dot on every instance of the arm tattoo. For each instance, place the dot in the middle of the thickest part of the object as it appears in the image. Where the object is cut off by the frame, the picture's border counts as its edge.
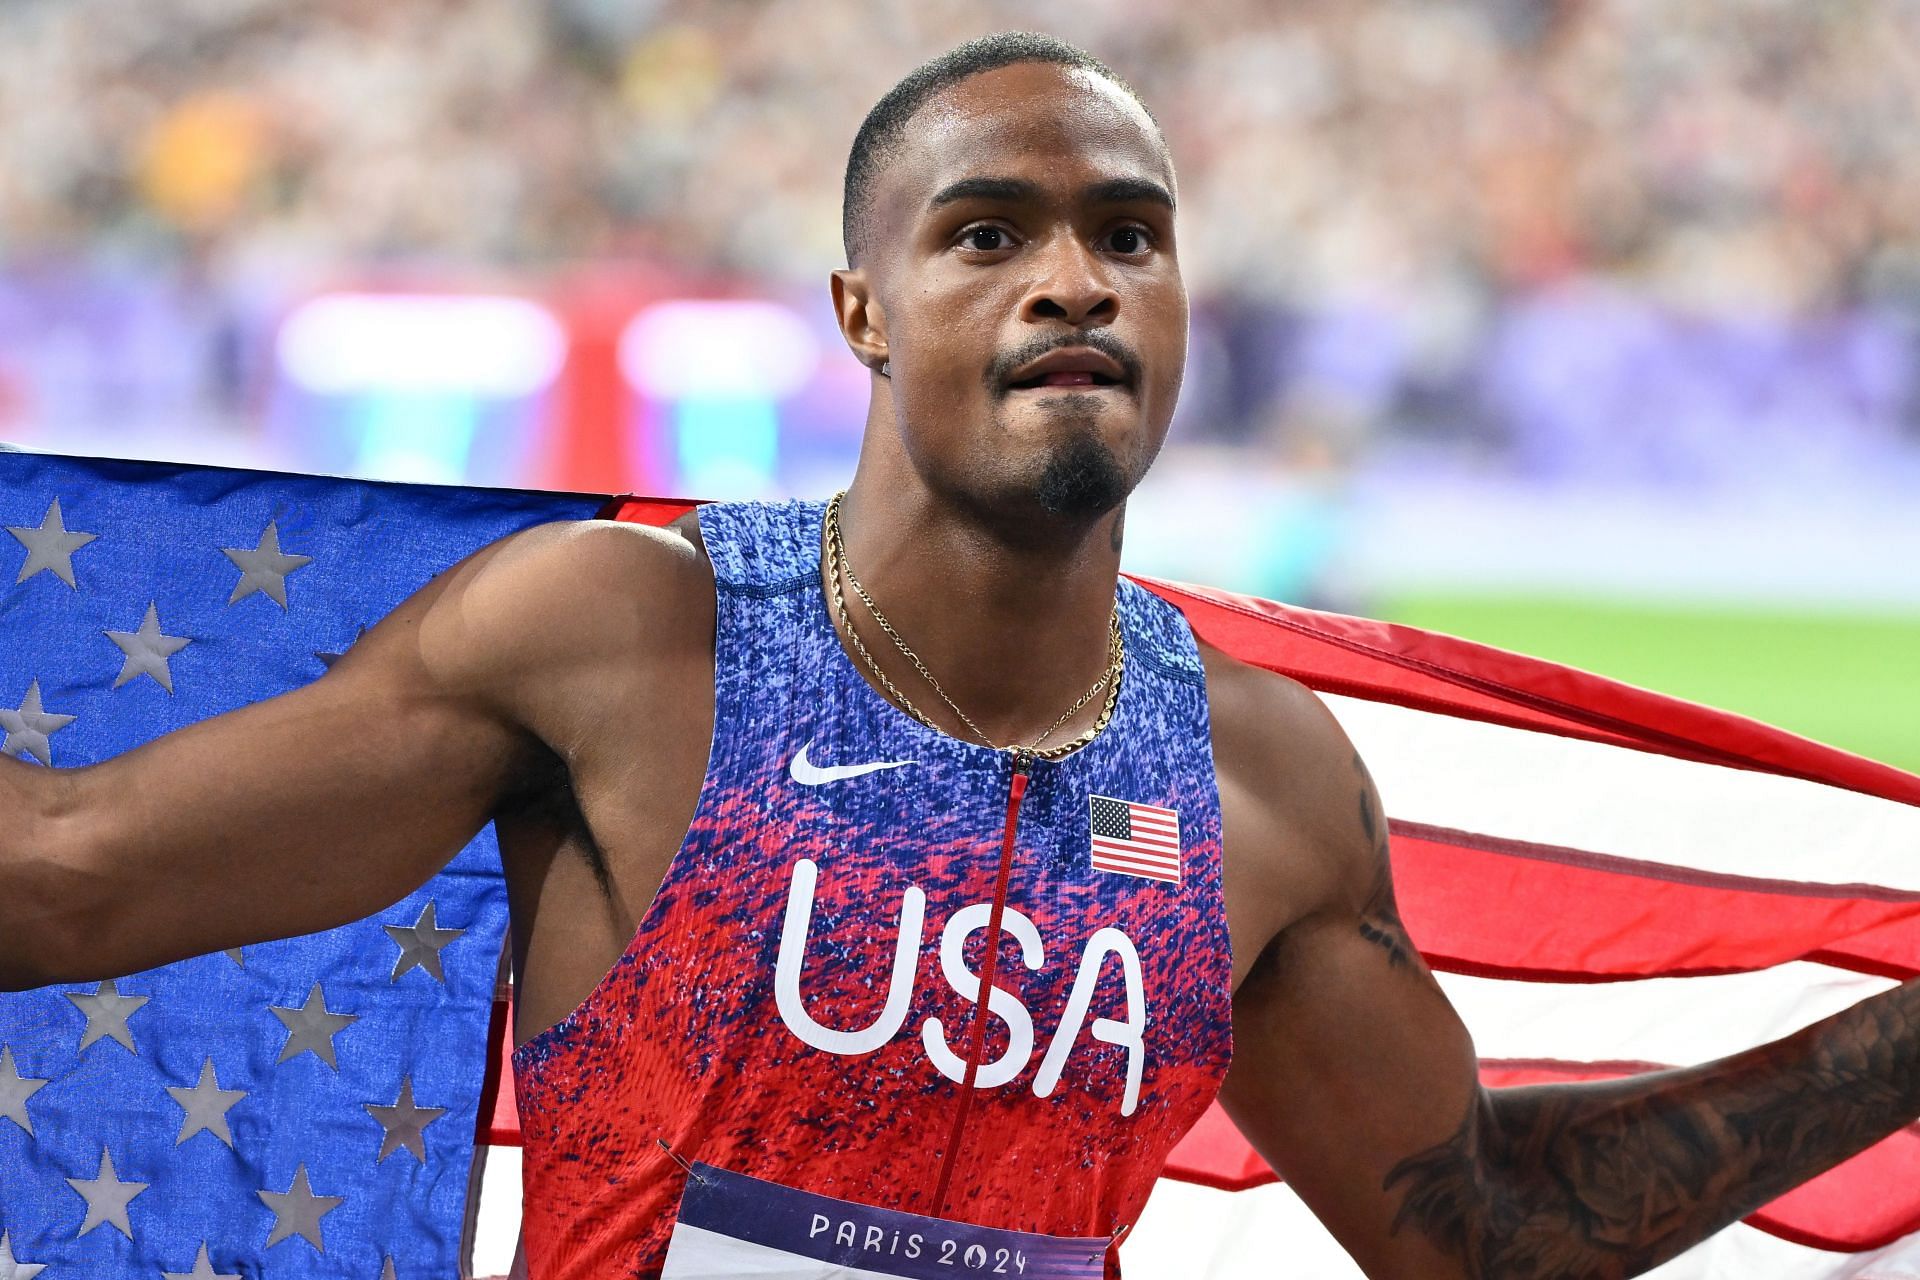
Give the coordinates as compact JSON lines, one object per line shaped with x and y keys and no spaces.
{"x":1380,"y":917}
{"x":1612,"y":1179}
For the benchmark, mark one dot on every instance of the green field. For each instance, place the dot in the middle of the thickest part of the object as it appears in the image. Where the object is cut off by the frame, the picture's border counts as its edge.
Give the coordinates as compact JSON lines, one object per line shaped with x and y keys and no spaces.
{"x":1853,"y":681}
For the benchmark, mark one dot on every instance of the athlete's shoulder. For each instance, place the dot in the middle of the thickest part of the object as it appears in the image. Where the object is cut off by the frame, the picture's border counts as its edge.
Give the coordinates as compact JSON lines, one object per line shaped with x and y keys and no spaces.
{"x":1264,"y":722}
{"x":1288,"y":778}
{"x":607,"y":558}
{"x":569,"y":594}
{"x":590,"y":548}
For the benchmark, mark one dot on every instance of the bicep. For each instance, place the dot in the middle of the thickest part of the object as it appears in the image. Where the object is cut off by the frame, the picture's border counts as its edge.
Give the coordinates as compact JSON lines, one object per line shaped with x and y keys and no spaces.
{"x":1352,"y":1075}
{"x":300,"y":812}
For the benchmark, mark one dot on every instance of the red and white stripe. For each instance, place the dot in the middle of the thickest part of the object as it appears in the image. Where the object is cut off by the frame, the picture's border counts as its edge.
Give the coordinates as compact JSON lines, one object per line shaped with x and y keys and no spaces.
{"x":1152,"y":849}
{"x":1609,"y":882}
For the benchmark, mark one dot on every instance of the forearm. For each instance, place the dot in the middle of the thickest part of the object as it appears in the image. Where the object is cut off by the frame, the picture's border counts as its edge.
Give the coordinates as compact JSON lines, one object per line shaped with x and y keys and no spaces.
{"x":302,"y":813}
{"x":1612,"y":1179}
{"x":36,"y":909}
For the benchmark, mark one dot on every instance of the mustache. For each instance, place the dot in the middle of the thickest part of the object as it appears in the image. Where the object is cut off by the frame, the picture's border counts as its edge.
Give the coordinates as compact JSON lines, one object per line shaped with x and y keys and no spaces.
{"x":1001,"y":370}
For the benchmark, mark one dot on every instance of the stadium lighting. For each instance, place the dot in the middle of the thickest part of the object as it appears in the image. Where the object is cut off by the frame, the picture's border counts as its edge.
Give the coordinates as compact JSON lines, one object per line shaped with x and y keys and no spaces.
{"x":469,"y":345}
{"x":718,"y":349}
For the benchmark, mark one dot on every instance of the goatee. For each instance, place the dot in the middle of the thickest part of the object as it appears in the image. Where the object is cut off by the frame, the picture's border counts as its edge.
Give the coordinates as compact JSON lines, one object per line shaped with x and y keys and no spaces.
{"x":1082,"y":480}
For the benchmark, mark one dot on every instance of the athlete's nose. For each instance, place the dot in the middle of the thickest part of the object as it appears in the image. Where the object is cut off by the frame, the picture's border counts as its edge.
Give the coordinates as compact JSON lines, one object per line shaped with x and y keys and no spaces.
{"x":1071,"y":285}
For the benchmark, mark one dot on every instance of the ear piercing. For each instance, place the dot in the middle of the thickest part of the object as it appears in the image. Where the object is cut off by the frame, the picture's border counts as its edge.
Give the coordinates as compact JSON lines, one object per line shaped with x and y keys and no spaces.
{"x":886,"y":369}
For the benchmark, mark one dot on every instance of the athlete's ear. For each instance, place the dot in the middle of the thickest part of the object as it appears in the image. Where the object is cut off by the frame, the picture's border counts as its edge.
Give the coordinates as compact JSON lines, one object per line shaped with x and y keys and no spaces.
{"x":863,"y":321}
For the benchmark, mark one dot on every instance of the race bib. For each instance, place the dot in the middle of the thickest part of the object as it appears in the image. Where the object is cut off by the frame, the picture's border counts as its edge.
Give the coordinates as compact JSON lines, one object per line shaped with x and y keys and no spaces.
{"x":733,"y":1225}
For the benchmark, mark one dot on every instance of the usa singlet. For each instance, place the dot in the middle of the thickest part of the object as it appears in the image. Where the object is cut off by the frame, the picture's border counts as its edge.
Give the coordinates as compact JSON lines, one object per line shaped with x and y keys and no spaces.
{"x":797,"y":1010}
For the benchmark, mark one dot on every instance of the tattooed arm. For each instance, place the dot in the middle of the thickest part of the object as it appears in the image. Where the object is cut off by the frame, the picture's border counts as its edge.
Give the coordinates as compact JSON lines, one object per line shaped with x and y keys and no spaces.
{"x":1353,"y":1076}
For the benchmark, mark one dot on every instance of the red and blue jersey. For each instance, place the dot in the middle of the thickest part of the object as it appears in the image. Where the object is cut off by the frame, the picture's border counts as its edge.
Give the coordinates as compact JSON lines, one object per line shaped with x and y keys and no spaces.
{"x":799,"y":1003}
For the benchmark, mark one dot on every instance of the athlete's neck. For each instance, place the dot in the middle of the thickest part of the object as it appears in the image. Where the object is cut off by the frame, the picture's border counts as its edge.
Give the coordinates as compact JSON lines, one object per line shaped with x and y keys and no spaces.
{"x":1014,"y":628}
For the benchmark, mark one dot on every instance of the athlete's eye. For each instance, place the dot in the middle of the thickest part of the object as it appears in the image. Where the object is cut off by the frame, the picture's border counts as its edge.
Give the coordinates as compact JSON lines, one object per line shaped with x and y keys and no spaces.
{"x":984,"y":239}
{"x":1130,"y":240}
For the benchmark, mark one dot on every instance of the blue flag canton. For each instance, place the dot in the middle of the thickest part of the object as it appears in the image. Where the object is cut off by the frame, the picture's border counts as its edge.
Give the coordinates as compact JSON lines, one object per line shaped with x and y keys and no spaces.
{"x":308,"y":1104}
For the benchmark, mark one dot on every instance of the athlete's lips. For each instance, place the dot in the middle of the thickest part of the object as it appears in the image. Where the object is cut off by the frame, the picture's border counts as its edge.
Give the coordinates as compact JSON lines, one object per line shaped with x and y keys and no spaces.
{"x":1079,"y":367}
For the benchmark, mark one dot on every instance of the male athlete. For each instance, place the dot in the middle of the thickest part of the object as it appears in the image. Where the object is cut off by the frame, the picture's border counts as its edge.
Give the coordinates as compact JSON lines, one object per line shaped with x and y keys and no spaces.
{"x":779,"y":905}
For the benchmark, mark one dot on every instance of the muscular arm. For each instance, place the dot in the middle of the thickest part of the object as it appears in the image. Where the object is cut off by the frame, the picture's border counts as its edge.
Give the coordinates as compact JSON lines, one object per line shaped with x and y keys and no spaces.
{"x":317,"y":807}
{"x":1355,"y":1079}
{"x":1612,"y":1179}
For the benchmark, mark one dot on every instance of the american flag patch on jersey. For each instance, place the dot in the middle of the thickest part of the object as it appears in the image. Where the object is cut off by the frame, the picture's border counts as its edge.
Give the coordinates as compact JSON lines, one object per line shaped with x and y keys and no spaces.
{"x":1136,"y":839}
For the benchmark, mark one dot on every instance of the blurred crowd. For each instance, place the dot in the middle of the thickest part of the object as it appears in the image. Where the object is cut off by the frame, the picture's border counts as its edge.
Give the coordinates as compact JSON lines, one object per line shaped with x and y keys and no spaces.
{"x":1749,"y":154}
{"x":1438,"y":219}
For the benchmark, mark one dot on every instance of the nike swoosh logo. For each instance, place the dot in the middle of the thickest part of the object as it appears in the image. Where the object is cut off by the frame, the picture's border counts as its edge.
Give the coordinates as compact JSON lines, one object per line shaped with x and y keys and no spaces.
{"x":808,"y":774}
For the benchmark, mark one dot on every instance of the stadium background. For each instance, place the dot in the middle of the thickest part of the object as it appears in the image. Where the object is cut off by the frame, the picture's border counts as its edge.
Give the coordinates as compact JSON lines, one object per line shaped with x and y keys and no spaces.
{"x":1589,"y":329}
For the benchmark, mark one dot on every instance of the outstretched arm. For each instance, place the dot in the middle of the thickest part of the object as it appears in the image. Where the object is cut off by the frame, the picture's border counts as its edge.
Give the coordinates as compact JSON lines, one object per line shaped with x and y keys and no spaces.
{"x":1353,"y":1076}
{"x":307,"y":810}
{"x":1612,"y":1179}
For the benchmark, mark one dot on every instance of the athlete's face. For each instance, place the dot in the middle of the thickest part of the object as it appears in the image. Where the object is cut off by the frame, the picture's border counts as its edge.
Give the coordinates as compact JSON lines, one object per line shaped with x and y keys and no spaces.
{"x":1020,"y":275}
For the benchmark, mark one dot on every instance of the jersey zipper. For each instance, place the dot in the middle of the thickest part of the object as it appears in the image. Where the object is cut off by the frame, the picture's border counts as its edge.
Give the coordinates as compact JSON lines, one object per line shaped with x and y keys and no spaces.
{"x":976,"y":1049}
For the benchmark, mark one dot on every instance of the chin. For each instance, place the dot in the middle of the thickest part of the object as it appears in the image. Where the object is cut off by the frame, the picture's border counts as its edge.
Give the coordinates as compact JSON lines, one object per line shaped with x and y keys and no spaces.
{"x":1073,"y":455}
{"x":1082,"y":477}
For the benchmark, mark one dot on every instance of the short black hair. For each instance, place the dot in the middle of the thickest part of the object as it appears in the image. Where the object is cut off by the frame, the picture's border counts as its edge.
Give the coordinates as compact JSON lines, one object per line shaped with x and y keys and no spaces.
{"x":881,"y":131}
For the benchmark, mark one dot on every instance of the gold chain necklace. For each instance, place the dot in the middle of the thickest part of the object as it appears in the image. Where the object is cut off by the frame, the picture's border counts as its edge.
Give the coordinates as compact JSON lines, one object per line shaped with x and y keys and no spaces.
{"x":840,"y":569}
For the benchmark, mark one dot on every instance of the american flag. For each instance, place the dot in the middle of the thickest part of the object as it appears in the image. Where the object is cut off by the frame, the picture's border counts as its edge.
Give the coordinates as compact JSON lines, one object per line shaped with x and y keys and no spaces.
{"x":303,"y":1107}
{"x":1136,"y":839}
{"x":1607,"y":882}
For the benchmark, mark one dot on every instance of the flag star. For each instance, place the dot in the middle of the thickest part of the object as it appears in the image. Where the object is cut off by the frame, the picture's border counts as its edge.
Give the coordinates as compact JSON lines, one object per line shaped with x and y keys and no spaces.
{"x":297,"y":1211}
{"x":264,"y":569}
{"x":51,"y":547}
{"x":29,"y":725}
{"x":420,"y":944}
{"x":147,"y":651}
{"x":107,"y":1198}
{"x":206,"y":1105}
{"x":11,"y":1268}
{"x":202,"y":1270}
{"x":405,"y":1123}
{"x":107,"y":1013}
{"x":15,"y":1089}
{"x":312,"y":1027}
